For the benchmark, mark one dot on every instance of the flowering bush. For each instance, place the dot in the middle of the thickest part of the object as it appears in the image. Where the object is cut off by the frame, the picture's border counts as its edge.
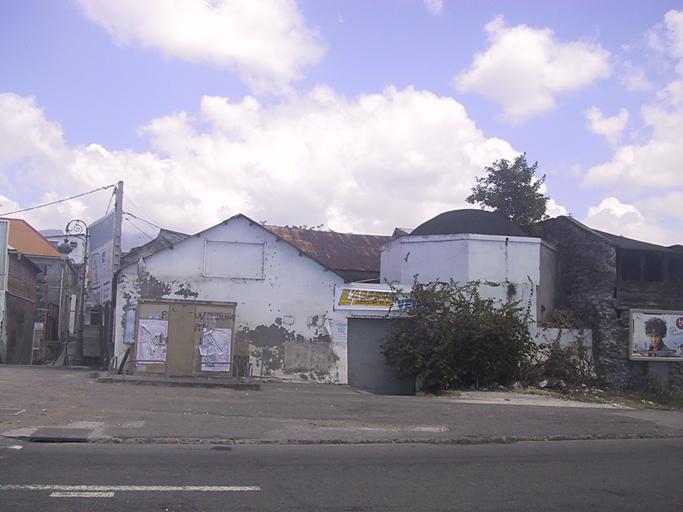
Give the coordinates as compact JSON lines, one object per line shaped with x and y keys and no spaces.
{"x":454,"y":337}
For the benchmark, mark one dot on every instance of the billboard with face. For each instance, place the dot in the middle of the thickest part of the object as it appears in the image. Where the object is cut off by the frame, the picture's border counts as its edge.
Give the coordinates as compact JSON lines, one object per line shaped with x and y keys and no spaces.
{"x":656,"y":335}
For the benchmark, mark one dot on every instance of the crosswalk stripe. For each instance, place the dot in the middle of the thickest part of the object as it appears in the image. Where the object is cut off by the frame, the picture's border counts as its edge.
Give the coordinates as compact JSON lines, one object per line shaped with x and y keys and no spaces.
{"x":82,"y":495}
{"x":129,"y":488}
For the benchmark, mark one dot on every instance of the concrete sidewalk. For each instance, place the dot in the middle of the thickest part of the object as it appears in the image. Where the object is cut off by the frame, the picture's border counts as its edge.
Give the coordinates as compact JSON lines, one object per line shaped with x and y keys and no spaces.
{"x":50,"y":404}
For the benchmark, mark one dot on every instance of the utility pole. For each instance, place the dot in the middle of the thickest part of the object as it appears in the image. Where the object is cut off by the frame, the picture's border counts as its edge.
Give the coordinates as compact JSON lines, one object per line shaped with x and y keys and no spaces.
{"x":118,"y":212}
{"x":107,"y":348}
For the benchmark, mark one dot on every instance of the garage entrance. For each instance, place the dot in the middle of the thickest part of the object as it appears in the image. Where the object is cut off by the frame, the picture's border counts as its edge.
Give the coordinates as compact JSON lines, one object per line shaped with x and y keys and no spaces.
{"x":368,"y":369}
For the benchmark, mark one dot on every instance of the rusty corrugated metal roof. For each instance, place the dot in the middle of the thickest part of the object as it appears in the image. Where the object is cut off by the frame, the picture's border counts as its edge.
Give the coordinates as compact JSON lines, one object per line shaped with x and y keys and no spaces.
{"x":26,"y":239}
{"x":348,"y":254}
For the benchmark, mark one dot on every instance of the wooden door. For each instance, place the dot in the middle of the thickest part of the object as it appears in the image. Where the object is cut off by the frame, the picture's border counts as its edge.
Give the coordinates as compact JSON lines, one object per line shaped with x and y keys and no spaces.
{"x":181,"y":340}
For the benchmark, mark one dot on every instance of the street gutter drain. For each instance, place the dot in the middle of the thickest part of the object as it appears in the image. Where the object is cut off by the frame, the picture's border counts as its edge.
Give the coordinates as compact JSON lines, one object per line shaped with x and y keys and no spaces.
{"x":4,"y":411}
{"x":60,"y":435}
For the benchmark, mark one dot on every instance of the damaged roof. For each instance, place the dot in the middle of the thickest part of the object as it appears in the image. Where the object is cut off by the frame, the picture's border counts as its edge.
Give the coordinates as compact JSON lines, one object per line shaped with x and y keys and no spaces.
{"x":354,"y":257}
{"x":165,"y":239}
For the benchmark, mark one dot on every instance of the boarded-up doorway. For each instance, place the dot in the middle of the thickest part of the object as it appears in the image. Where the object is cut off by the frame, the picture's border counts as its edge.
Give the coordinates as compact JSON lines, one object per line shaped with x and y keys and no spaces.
{"x":184,"y":339}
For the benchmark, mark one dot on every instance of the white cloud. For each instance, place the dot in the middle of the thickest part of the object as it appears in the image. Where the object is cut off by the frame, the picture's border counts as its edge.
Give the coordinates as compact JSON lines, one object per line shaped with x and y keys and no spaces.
{"x":655,"y":163}
{"x":435,"y":7}
{"x":363,"y":164}
{"x":634,"y":78}
{"x":609,"y":127}
{"x":674,"y":28}
{"x":24,"y":132}
{"x":623,"y":219}
{"x":266,"y":42}
{"x":525,"y":68}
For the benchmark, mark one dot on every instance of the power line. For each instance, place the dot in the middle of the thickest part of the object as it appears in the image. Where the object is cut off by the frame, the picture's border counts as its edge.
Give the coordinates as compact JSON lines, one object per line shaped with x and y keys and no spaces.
{"x":139,"y":208}
{"x":58,"y":201}
{"x":143,"y":220}
{"x":113,"y":194}
{"x":139,"y":229}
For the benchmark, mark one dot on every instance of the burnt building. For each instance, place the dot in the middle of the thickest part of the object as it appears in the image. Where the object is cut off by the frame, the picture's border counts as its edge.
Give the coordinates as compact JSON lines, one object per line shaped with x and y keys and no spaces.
{"x":601,"y":278}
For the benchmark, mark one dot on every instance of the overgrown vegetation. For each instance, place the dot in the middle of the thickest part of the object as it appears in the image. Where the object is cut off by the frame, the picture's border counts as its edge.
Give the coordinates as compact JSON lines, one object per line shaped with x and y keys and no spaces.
{"x":455,"y":337}
{"x":570,"y":365}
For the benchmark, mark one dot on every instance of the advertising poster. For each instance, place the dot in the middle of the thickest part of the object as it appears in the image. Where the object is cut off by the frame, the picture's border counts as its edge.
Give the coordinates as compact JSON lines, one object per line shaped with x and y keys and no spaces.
{"x":101,"y":258}
{"x":215,"y":349}
{"x":152,"y":340}
{"x":373,"y":299}
{"x":656,"y":335}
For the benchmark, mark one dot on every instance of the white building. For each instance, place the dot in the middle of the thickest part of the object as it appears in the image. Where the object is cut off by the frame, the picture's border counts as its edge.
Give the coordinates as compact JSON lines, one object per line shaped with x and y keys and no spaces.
{"x":474,"y":245}
{"x":272,"y":287}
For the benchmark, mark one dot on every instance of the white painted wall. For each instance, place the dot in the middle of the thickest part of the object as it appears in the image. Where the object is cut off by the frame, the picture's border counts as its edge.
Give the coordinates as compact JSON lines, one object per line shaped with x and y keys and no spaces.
{"x":294,"y":287}
{"x":468,"y":257}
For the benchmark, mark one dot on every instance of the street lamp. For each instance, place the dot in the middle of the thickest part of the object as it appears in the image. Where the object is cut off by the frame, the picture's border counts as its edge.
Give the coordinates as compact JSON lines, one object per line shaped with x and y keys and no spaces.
{"x":78,"y":229}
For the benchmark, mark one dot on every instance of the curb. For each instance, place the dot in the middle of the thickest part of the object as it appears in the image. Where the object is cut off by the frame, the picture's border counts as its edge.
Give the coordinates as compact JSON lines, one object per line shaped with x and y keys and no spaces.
{"x":465,"y":440}
{"x":241,"y":386}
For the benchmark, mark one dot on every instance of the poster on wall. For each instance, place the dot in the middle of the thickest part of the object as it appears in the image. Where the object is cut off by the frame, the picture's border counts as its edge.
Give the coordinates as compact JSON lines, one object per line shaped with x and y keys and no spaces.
{"x":152,"y":340}
{"x":215,"y":349}
{"x":656,"y":335}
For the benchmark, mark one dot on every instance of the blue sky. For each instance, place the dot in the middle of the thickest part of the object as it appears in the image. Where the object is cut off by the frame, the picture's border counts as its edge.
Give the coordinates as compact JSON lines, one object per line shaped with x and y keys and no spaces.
{"x":357,"y":115}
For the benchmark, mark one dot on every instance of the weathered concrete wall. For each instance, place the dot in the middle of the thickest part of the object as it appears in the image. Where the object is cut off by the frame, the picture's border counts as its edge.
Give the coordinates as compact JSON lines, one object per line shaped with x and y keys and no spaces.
{"x":512,"y":262}
{"x":546,"y":286}
{"x":587,"y":285}
{"x":283,"y":308}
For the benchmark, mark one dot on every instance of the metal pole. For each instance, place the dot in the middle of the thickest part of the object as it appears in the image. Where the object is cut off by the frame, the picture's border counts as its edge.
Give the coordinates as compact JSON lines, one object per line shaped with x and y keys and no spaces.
{"x":79,"y":229}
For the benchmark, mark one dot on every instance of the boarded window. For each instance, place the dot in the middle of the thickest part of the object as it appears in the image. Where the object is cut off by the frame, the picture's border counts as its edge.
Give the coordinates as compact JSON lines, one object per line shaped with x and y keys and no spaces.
{"x":653,"y":269}
{"x":233,"y":259}
{"x":630,"y":267}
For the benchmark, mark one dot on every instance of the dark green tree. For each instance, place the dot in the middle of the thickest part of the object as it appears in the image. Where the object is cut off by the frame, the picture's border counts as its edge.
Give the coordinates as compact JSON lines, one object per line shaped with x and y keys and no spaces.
{"x":510,"y":189}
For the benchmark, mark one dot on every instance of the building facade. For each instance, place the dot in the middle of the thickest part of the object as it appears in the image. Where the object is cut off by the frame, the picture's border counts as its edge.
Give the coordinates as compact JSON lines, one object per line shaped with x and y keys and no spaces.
{"x":272,"y":287}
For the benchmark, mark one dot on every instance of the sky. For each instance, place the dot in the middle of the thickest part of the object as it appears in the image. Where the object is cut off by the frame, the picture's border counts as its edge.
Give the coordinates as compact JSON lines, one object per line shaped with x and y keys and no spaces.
{"x":359,"y":116}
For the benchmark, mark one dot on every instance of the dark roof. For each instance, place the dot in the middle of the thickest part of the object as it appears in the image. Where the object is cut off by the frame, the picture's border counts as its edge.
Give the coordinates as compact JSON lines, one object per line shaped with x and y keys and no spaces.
{"x":165,"y":239}
{"x":468,"y":221}
{"x":620,"y":242}
{"x":631,"y":244}
{"x":354,"y":257}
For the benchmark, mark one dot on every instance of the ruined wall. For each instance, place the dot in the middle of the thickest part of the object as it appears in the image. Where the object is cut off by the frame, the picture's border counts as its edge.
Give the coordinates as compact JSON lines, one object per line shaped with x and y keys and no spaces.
{"x":587,"y":286}
{"x":284,"y":306}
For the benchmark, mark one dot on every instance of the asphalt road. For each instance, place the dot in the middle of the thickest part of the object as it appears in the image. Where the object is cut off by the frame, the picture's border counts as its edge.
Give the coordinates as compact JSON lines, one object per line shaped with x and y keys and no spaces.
{"x":638,"y":475}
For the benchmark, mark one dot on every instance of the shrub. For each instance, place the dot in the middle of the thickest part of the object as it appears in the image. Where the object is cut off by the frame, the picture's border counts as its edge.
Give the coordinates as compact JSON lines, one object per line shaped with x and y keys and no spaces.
{"x":455,"y":337}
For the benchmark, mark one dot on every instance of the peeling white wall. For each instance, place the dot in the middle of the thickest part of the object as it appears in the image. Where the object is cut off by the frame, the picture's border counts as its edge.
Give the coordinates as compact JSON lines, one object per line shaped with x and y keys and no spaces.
{"x":465,"y":258}
{"x":294,"y":289}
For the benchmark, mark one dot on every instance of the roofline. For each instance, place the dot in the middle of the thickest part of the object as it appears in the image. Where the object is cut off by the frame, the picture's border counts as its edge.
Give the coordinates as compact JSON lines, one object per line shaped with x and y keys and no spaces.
{"x":579,"y":225}
{"x":251,"y":221}
{"x":34,"y":230}
{"x":598,"y":234}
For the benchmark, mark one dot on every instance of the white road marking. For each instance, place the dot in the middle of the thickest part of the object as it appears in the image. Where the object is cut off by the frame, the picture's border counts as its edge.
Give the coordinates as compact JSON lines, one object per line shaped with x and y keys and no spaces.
{"x":82,"y":495}
{"x":129,"y":488}
{"x":15,"y":447}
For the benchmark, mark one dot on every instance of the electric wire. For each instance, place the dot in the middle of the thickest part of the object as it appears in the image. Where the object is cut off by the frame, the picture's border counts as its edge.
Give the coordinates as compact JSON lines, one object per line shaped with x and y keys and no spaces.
{"x":57,"y":202}
{"x":140,"y":209}
{"x":113,"y":194}
{"x":138,"y":228}
{"x":143,"y":220}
